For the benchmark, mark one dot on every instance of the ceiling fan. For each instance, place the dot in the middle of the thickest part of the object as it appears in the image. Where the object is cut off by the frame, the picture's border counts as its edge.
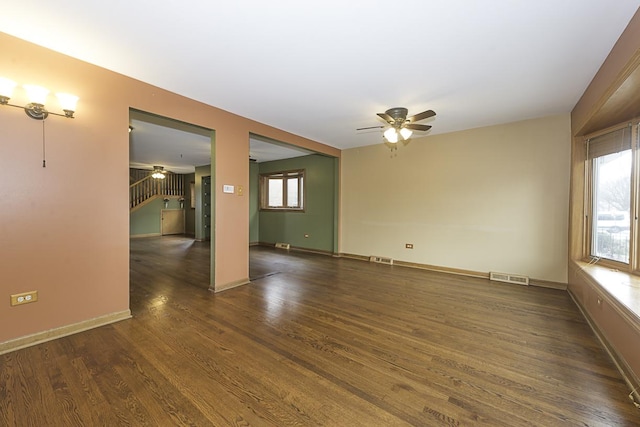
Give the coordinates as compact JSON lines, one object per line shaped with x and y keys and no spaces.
{"x":401,"y":125}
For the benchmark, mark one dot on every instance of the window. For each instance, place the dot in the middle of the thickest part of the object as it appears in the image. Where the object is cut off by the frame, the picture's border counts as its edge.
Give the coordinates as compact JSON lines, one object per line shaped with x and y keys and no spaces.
{"x":282,"y":191}
{"x":611,"y":165}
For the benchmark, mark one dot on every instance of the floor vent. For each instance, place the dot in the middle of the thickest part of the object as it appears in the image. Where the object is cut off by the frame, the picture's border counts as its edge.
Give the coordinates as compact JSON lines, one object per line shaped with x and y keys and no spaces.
{"x":283,"y":246}
{"x":381,"y":260}
{"x":509,"y":278}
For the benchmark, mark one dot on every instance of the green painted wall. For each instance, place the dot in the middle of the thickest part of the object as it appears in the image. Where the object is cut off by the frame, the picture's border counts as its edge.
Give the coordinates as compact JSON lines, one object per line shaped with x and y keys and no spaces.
{"x":318,"y":219}
{"x":146,"y":220}
{"x":254,"y":213}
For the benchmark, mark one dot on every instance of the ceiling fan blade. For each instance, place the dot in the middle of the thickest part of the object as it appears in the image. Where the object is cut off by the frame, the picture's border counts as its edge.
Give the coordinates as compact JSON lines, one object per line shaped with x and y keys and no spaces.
{"x":421,"y":116}
{"x":371,"y":127}
{"x":417,"y":127}
{"x":387,"y":118}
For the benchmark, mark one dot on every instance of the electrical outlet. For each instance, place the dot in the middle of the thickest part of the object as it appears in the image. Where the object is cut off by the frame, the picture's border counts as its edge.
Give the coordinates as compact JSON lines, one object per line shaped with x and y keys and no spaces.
{"x":408,"y":245}
{"x":24,"y":298}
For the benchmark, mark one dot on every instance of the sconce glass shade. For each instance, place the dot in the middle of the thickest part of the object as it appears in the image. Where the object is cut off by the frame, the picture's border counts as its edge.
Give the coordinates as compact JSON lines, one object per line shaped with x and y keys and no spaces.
{"x":68,"y":103}
{"x":36,"y":94}
{"x":406,"y":133}
{"x":391,"y":135}
{"x":6,"y":89}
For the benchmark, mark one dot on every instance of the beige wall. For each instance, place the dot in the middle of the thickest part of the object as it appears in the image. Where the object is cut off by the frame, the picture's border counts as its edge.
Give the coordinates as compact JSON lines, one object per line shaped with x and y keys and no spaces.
{"x":64,"y":229}
{"x":487,"y":199}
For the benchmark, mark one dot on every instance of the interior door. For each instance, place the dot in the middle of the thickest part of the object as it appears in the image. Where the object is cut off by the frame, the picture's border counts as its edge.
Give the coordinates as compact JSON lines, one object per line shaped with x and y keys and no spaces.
{"x":172,"y":221}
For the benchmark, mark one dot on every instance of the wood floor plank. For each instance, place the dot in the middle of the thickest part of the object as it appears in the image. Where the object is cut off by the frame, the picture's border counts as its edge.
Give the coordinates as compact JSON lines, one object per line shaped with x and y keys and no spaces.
{"x":319,"y":341}
{"x":342,"y":359}
{"x":241,"y":366}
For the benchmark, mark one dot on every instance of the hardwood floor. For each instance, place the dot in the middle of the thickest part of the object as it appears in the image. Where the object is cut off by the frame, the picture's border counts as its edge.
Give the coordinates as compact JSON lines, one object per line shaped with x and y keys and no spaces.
{"x":316,"y":340}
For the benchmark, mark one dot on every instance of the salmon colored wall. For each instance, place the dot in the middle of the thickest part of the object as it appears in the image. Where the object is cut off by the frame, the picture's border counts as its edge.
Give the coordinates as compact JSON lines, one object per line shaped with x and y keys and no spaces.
{"x":232,"y":239}
{"x":64,"y":229}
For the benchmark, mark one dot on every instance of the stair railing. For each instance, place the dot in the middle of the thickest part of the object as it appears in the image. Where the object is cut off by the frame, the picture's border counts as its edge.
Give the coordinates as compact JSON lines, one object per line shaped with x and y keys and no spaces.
{"x":148,"y":187}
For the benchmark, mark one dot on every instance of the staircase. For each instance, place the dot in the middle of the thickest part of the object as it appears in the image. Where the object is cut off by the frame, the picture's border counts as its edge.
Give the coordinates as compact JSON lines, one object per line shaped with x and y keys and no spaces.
{"x":148,"y":189}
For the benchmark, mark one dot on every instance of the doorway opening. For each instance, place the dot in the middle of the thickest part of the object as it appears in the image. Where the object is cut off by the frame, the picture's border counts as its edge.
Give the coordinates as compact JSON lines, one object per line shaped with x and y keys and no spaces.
{"x":171,"y":205}
{"x":313,"y":225}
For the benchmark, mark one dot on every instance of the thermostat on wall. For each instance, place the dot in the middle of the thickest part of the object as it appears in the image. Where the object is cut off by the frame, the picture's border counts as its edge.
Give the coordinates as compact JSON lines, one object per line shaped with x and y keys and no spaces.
{"x":228,"y":189}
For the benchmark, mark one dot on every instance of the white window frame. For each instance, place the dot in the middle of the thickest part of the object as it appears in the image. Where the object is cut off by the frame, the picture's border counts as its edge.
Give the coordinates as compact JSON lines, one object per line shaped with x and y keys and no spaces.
{"x":285,"y":176}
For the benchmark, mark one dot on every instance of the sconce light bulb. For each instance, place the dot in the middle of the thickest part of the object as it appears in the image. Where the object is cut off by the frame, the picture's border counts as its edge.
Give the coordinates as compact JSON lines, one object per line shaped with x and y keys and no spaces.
{"x":68,"y":103}
{"x":36,"y":94}
{"x":6,"y":89}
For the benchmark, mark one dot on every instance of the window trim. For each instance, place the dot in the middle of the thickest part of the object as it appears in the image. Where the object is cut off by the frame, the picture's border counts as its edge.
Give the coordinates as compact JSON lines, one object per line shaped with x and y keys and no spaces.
{"x":634,"y":241}
{"x":284,"y":175}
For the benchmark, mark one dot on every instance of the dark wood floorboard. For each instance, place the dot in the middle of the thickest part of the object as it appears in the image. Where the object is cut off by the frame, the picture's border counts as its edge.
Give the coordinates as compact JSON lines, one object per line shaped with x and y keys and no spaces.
{"x":315,"y":340}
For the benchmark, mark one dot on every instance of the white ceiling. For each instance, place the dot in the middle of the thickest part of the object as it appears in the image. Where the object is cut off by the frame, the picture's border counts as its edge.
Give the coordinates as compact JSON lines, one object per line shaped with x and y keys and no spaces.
{"x":180,"y":147}
{"x":321,"y":69}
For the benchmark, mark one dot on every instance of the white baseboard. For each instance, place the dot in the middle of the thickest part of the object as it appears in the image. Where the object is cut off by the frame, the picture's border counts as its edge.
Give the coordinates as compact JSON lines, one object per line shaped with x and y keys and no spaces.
{"x":230,"y":285}
{"x":63,"y":331}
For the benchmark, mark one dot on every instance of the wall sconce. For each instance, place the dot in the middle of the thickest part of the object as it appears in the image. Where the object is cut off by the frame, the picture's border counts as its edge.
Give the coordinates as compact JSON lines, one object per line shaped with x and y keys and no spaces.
{"x":37,"y":96}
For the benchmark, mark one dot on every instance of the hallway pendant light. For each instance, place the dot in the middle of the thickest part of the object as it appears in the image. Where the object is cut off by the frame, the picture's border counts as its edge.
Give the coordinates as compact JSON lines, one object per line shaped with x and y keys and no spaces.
{"x":158,"y":172}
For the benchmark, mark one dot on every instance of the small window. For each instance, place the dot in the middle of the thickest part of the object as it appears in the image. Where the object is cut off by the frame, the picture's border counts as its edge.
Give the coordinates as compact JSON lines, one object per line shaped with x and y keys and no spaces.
{"x":282,"y":191}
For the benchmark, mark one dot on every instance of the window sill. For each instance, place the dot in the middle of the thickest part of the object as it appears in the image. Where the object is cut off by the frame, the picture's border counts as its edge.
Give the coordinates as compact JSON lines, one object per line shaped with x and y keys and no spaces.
{"x":623,"y":287}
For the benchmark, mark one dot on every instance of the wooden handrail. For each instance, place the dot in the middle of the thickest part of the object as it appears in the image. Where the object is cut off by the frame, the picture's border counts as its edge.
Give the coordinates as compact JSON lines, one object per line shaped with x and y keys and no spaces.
{"x":144,"y":189}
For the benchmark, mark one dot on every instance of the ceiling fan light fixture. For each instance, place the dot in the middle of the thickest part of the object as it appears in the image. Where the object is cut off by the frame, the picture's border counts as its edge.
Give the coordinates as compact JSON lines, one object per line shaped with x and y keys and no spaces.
{"x":401,"y":126}
{"x":391,"y":135}
{"x":406,"y":133}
